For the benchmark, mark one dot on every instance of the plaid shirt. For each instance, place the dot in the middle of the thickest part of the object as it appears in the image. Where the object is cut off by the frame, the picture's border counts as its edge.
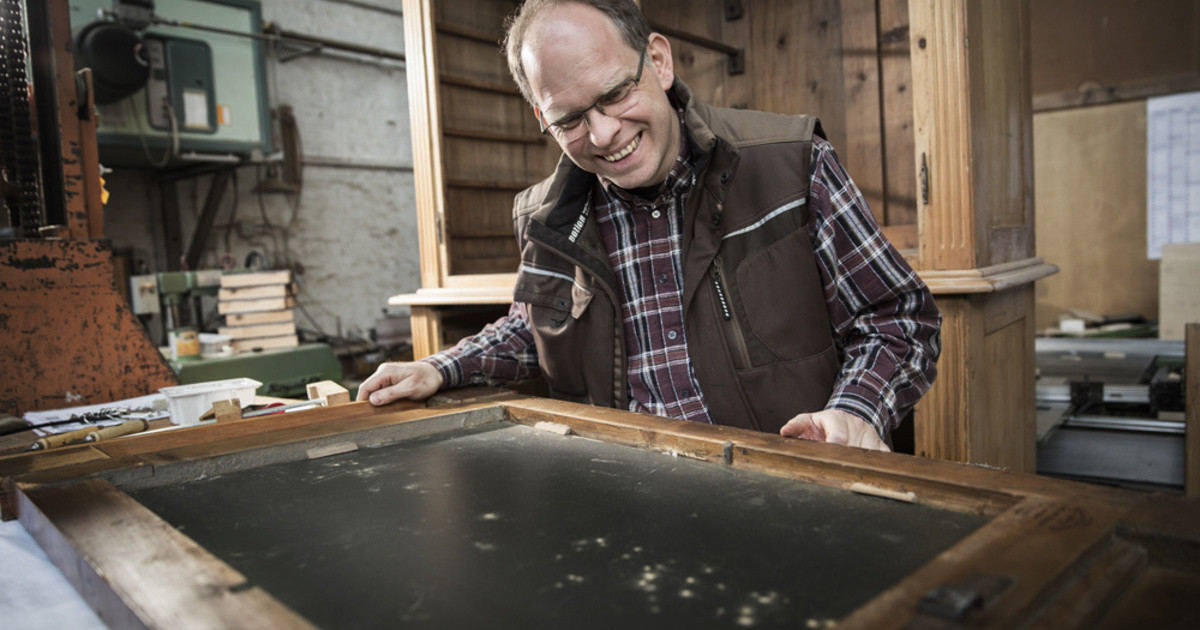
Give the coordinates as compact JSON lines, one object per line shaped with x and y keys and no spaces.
{"x":883,"y":318}
{"x":642,"y":239}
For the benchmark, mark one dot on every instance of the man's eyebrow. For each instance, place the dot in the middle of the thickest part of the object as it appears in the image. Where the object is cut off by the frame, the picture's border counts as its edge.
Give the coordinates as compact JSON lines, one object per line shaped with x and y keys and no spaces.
{"x":608,"y":87}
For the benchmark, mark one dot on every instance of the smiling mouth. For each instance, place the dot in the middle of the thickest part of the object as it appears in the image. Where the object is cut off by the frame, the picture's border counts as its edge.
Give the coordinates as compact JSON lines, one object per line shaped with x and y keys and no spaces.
{"x":633,"y":144}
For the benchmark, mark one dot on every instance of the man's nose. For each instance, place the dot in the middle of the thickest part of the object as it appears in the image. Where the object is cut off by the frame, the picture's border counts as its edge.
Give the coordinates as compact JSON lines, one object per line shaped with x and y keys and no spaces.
{"x":601,"y":127}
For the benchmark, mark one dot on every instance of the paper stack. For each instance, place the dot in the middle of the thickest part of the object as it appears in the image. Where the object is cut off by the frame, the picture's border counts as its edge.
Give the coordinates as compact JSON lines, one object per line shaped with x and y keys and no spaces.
{"x":258,"y":310}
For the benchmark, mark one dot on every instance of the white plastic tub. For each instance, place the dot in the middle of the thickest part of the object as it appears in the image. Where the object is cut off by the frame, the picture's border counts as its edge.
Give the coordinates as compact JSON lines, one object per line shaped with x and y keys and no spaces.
{"x":188,"y":402}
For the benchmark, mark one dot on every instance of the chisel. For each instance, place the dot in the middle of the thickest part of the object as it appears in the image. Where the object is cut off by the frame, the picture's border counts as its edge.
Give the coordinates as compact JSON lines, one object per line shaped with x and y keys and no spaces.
{"x":128,"y":427}
{"x":63,"y":439}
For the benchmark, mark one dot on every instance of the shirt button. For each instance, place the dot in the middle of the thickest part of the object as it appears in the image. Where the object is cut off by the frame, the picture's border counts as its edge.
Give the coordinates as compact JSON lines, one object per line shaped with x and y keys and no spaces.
{"x":655,"y":214}
{"x":663,"y":277}
{"x":671,"y":334}
{"x":687,"y":393}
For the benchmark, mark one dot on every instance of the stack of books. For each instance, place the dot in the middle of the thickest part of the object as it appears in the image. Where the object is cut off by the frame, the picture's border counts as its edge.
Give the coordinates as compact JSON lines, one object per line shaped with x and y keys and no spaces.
{"x":258,"y":310}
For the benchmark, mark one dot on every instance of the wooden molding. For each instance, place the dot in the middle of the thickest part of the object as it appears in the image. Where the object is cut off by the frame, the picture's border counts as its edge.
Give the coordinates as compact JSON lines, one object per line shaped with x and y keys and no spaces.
{"x":445,"y":296}
{"x":987,"y":279}
{"x":1103,"y":94}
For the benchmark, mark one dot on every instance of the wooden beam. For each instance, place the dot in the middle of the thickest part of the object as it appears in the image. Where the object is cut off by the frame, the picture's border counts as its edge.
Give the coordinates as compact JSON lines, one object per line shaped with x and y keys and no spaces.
{"x":497,"y":136}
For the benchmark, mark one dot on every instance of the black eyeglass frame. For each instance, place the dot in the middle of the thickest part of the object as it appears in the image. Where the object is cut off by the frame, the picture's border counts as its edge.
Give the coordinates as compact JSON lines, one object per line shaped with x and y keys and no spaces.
{"x":631,"y":82}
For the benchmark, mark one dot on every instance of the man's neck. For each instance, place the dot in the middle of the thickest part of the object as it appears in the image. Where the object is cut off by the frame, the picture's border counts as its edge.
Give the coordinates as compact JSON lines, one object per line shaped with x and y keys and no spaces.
{"x":649,"y":193}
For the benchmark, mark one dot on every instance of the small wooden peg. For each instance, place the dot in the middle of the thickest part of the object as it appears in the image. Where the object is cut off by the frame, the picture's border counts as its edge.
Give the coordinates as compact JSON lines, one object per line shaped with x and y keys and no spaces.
{"x":329,"y":392}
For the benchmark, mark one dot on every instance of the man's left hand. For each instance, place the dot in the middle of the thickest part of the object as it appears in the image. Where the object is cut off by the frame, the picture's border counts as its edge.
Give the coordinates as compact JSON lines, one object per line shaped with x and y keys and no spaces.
{"x":836,"y":426}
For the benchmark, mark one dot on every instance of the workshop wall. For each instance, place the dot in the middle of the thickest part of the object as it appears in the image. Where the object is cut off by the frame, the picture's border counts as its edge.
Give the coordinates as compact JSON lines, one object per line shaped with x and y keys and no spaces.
{"x":352,"y":242}
{"x":1094,"y":64}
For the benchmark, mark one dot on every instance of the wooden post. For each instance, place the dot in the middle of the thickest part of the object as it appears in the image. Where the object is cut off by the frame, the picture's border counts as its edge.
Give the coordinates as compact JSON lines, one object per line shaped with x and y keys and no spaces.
{"x":973,"y":138}
{"x":425,"y":118}
{"x":1191,"y":435}
{"x":84,"y":216}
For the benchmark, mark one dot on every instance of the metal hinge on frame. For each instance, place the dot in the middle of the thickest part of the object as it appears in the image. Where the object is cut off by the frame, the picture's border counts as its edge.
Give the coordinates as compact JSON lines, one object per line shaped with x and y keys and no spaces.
{"x":924,"y":181}
{"x":953,"y":605}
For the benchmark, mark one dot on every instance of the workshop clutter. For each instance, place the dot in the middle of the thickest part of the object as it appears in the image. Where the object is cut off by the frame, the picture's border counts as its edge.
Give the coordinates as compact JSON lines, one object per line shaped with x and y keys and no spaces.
{"x":258,"y":309}
{"x":188,"y":402}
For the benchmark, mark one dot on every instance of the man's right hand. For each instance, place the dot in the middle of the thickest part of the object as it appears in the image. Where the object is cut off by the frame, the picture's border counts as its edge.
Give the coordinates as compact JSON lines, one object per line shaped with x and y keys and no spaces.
{"x":398,"y":381}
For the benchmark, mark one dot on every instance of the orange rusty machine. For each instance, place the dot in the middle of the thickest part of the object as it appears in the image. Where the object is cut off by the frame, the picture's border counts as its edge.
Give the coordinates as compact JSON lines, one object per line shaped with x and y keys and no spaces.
{"x":68,"y":336}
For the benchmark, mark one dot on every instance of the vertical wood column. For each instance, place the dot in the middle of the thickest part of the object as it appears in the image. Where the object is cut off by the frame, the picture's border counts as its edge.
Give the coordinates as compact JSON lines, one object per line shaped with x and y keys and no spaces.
{"x":428,"y":178}
{"x":973,"y":138}
{"x":425,"y":117}
{"x":426,"y":331}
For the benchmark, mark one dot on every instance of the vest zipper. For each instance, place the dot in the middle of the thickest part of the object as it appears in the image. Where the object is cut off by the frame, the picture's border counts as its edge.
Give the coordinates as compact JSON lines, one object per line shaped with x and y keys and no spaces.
{"x":733,"y":330}
{"x":721,"y":295}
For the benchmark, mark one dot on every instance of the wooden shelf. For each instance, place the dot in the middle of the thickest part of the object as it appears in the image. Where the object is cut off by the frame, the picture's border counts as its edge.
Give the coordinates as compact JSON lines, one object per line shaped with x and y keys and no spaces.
{"x":487,"y":184}
{"x":468,"y":33}
{"x":478,"y":84}
{"x":495,"y":136}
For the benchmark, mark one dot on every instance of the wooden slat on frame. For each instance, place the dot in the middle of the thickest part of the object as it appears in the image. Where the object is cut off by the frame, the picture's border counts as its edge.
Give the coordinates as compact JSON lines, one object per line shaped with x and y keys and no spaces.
{"x":135,"y":570}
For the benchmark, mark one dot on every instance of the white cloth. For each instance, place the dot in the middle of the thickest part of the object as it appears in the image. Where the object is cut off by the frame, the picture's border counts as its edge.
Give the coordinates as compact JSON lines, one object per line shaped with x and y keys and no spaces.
{"x":34,"y":594}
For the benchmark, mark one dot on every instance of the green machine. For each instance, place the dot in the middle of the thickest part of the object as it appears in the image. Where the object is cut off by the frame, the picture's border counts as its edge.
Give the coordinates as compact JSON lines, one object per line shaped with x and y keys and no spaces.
{"x":283,"y":372}
{"x":175,"y":81}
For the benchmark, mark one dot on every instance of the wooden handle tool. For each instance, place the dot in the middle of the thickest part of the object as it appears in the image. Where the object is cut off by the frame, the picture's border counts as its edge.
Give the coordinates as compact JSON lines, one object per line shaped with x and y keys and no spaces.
{"x":125,"y":428}
{"x":63,"y":439}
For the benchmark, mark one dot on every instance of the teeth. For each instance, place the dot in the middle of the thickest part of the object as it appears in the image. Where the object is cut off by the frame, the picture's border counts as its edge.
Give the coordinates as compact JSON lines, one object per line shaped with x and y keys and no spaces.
{"x":626,"y":151}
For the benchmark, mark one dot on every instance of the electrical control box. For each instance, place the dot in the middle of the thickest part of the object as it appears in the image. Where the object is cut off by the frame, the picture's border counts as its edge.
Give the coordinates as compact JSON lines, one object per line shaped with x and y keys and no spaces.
{"x":205,"y":98}
{"x":143,"y":295}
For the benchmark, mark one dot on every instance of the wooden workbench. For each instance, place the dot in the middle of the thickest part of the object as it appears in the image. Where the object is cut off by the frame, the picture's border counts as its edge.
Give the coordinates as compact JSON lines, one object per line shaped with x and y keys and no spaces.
{"x":463,"y":514}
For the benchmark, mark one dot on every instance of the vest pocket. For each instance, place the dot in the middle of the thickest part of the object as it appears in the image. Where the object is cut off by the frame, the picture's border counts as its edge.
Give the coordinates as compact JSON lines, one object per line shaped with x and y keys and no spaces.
{"x":781,"y":294}
{"x":559,"y":334}
{"x":779,"y":392}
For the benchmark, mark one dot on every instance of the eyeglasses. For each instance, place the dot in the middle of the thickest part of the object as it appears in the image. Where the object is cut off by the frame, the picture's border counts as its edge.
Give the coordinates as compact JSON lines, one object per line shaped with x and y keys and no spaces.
{"x":614,"y":102}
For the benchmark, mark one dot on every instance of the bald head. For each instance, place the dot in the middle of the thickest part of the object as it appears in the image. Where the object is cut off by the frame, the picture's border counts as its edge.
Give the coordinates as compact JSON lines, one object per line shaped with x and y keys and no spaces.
{"x":622,"y":15}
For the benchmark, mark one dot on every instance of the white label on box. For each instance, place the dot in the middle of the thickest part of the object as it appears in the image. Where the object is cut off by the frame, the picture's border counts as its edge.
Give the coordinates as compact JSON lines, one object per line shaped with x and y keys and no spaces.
{"x":195,"y":109}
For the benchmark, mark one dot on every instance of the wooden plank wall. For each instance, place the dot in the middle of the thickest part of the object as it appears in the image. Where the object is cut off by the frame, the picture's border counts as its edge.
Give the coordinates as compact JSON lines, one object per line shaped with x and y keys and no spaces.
{"x":492,"y":147}
{"x":1101,"y":51}
{"x":846,"y":61}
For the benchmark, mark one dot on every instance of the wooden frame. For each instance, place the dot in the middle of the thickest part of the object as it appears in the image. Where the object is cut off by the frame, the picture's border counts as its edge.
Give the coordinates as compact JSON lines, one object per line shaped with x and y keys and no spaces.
{"x":1069,"y":555}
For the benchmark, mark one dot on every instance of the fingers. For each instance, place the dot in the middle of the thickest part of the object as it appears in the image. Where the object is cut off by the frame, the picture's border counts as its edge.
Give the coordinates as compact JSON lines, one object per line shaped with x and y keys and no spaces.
{"x":834,"y":426}
{"x":399,"y":381}
{"x":803,"y":427}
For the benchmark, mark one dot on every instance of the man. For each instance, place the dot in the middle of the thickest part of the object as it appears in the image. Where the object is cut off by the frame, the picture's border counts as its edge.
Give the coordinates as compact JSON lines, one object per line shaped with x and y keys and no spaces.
{"x":692,"y":262}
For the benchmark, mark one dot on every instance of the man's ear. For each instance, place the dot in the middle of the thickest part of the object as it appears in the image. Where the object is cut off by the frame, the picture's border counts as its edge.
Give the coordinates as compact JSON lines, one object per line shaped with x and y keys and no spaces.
{"x":658,"y":51}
